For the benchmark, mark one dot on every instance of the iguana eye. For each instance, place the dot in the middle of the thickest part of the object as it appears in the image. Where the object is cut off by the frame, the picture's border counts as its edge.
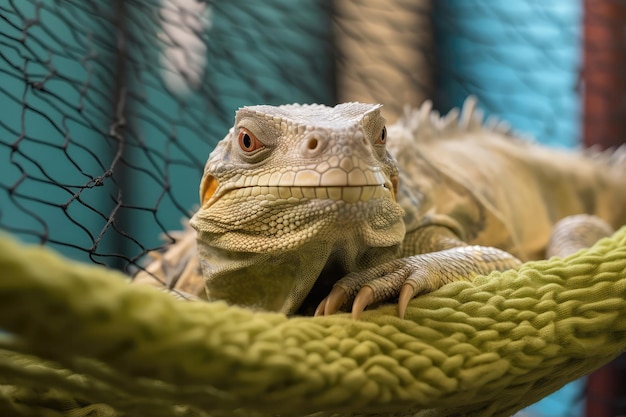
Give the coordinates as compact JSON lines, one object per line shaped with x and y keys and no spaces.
{"x":382,"y":138}
{"x":247,"y":141}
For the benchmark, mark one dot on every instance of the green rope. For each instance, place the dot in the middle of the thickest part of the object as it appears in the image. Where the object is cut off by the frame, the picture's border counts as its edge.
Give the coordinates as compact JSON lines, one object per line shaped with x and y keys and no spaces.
{"x":490,"y":347}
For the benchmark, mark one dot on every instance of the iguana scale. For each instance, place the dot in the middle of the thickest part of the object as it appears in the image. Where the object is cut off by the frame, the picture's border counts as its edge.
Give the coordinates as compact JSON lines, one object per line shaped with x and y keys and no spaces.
{"x":312,"y":208}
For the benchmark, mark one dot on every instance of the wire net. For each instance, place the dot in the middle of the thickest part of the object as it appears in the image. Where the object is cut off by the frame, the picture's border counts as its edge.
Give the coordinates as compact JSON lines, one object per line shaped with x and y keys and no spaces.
{"x":110,"y":110}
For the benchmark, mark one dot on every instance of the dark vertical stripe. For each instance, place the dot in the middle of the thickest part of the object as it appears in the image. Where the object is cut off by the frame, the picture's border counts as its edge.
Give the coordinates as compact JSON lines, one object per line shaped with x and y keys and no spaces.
{"x":604,"y":73}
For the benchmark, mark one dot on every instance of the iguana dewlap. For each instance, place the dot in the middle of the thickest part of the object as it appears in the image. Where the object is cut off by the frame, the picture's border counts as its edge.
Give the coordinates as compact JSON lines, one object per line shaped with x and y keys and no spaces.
{"x":310,"y":207}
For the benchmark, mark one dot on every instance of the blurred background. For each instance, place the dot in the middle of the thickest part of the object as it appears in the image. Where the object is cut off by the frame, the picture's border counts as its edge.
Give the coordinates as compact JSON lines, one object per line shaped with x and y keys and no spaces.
{"x":108,"y":110}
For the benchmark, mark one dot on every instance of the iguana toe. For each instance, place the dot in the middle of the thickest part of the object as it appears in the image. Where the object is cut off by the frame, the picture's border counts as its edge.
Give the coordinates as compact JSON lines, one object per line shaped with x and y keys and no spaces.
{"x":365,"y":288}
{"x":332,"y":302}
{"x":406,"y":294}
{"x":364,"y":298}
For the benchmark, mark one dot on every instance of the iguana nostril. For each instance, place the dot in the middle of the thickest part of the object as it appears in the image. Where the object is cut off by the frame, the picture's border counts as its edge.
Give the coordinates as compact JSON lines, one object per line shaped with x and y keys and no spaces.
{"x":312,"y":144}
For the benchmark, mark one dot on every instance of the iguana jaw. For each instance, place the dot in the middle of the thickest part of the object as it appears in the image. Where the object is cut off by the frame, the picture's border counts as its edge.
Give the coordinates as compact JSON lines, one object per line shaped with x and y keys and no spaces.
{"x":278,"y":282}
{"x":272,"y":262}
{"x":268,"y":250}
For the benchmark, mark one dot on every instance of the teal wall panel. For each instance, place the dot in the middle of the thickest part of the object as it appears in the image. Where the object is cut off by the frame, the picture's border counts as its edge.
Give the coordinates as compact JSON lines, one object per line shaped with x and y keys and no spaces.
{"x":54,"y":101}
{"x":521,"y":59}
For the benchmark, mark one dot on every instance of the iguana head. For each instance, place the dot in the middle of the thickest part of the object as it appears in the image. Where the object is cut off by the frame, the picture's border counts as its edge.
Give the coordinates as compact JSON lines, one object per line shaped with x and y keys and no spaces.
{"x":293,"y":198}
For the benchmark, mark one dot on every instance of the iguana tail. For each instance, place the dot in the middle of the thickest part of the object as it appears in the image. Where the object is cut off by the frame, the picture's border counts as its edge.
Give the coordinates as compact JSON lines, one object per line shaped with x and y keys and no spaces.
{"x":612,"y":163}
{"x":618,"y":163}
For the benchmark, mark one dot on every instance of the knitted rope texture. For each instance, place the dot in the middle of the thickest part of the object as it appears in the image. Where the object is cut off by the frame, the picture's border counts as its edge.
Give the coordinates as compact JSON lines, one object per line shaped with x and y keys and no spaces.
{"x":81,"y":341}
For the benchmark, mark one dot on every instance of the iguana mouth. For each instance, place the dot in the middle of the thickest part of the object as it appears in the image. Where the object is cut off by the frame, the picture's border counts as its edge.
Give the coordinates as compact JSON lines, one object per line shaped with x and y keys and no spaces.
{"x":297,"y":186}
{"x":320,"y":177}
{"x":295,"y":194}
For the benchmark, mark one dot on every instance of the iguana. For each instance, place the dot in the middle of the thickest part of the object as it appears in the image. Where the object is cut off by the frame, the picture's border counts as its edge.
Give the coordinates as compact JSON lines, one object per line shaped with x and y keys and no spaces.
{"x":309,"y":208}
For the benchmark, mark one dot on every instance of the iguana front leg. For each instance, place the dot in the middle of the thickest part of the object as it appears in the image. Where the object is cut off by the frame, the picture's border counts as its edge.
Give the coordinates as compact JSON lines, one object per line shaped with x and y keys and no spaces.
{"x":445,"y":259}
{"x":177,"y":268}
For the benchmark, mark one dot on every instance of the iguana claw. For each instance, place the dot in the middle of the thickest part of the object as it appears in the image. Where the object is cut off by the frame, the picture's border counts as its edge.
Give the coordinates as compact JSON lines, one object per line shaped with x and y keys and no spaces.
{"x":406,"y":294}
{"x":364,"y":298}
{"x":332,"y":302}
{"x":338,"y":298}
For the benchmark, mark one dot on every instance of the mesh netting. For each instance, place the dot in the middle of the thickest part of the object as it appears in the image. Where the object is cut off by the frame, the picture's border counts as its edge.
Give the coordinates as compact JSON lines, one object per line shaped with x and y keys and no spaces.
{"x":110,"y":110}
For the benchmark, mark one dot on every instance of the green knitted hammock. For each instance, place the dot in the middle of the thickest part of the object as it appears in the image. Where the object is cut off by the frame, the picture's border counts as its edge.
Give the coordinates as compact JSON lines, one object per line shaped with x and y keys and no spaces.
{"x":81,"y":341}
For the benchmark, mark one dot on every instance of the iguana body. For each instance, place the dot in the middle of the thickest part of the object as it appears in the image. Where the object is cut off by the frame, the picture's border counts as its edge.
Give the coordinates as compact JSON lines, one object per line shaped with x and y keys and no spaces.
{"x":306,"y":206}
